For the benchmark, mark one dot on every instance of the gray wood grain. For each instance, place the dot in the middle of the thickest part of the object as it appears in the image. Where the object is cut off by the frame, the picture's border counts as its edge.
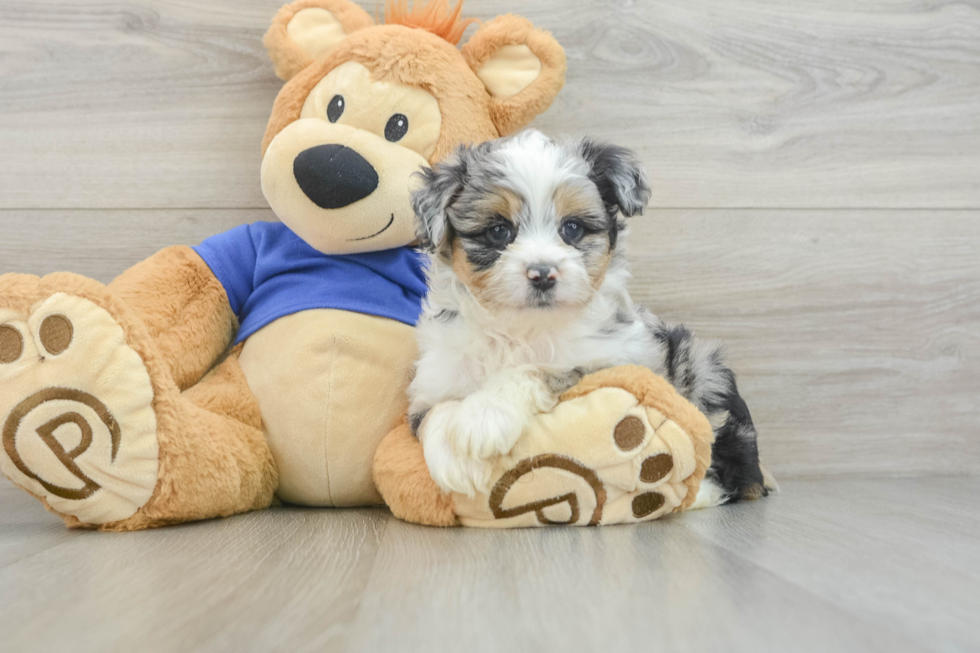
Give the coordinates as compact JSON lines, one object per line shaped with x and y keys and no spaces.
{"x":855,"y":334}
{"x":259,"y":582}
{"x":147,"y":104}
{"x":133,"y":104}
{"x":27,"y":529}
{"x":103,"y":243}
{"x":827,"y":565}
{"x":654,"y":588}
{"x":869,"y":564}
{"x":902,"y":554}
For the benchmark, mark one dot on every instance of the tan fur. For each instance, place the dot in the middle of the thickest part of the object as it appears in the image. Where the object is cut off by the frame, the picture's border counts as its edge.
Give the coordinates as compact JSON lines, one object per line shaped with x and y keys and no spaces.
{"x":597,"y":271}
{"x":475,"y":281}
{"x":211,"y":463}
{"x":507,"y":204}
{"x":401,"y":55}
{"x":287,"y":56}
{"x":184,"y":308}
{"x":512,"y":113}
{"x":374,"y":103}
{"x":572,"y":200}
{"x":415,"y":57}
{"x":404,"y":482}
{"x":220,"y":392}
{"x":503,"y":203}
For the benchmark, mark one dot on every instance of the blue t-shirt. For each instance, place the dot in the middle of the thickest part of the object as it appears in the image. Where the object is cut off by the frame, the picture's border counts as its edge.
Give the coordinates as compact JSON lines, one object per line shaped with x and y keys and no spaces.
{"x":270,"y":272}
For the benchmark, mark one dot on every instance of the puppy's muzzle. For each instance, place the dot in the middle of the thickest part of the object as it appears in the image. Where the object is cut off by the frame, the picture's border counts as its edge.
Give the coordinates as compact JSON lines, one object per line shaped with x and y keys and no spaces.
{"x":542,"y":277}
{"x":334,"y":176}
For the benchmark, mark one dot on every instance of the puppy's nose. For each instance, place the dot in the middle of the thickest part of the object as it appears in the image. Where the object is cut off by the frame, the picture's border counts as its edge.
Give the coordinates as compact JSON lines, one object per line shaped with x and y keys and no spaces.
{"x":542,"y":277}
{"x":334,"y":176}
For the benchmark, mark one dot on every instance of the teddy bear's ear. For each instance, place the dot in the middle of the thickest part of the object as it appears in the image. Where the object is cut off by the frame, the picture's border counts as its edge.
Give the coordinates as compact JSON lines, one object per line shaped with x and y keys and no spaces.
{"x":307,"y":29}
{"x":522,"y":67}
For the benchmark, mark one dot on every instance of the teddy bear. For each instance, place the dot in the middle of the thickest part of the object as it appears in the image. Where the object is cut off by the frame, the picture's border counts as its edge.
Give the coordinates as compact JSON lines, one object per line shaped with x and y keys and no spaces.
{"x":269,"y":361}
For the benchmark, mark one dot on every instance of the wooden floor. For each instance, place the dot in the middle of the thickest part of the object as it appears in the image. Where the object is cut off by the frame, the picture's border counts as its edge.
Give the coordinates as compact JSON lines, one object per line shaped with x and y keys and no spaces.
{"x":846,"y":565}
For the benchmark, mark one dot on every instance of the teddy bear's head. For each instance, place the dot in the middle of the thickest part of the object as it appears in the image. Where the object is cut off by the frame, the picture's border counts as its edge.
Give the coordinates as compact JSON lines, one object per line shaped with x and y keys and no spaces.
{"x":366,"y":106}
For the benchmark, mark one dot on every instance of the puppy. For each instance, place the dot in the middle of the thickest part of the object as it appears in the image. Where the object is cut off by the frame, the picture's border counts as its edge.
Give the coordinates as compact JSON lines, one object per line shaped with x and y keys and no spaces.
{"x":527,"y":293}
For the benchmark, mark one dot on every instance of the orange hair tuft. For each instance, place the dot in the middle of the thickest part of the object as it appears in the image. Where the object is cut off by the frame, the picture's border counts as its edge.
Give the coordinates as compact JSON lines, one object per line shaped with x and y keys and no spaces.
{"x":431,"y":15}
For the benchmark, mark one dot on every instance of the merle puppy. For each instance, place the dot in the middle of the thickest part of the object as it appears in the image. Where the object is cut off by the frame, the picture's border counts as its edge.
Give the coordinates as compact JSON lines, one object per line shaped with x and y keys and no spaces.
{"x":527,"y":292}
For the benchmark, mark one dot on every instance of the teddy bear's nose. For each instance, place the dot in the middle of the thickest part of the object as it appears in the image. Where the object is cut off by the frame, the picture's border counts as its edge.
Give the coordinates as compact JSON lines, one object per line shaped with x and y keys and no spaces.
{"x":334,"y":176}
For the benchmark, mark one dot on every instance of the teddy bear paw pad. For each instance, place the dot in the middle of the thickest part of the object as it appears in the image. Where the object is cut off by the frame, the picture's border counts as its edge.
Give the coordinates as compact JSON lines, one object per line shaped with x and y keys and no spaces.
{"x":76,"y":415}
{"x":602,"y":459}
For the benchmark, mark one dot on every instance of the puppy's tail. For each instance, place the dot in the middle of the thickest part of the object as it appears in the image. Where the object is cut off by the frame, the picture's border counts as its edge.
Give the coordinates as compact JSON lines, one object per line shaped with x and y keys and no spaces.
{"x":768,"y":480}
{"x":711,"y":494}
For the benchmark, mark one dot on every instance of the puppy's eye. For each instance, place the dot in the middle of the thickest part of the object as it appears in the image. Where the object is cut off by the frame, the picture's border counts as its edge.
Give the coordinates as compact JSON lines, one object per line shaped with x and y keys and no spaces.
{"x":396,"y":128}
{"x":499,"y":234}
{"x":572,"y":231}
{"x":336,"y":108}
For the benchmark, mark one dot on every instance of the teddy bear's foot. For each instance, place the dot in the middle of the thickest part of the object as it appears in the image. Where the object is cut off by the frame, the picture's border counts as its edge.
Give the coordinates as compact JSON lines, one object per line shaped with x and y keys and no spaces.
{"x":622,"y":446}
{"x":403,"y":479}
{"x":77,"y":418}
{"x":602,"y":458}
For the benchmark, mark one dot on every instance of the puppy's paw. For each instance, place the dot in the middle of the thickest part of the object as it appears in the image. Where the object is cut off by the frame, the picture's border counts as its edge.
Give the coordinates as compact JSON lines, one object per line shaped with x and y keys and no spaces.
{"x":486,"y":426}
{"x":452,"y":470}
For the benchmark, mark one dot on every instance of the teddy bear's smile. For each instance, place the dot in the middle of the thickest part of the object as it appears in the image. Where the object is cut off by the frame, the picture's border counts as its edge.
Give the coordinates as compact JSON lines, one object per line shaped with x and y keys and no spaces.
{"x":383,"y":229}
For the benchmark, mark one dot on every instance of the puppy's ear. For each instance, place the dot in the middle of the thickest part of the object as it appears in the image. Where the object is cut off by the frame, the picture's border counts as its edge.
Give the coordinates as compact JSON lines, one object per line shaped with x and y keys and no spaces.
{"x":618,"y":174}
{"x":441,"y":186}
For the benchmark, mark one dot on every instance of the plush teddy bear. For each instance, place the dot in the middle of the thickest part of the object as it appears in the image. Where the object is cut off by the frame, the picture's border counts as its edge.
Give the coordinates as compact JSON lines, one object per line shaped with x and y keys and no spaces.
{"x":272,"y":359}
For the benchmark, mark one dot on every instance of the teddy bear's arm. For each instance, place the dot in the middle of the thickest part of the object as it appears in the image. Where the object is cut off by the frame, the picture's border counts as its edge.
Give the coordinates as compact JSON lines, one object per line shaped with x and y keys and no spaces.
{"x":232,"y":257}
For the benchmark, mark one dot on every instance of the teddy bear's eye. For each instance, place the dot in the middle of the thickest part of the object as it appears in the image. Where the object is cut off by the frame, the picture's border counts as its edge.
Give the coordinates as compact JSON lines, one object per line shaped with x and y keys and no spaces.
{"x":336,"y":108}
{"x":396,"y":128}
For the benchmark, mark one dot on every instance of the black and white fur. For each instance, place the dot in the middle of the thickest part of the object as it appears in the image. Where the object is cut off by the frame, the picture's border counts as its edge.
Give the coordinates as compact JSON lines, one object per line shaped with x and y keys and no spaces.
{"x":498,"y":342}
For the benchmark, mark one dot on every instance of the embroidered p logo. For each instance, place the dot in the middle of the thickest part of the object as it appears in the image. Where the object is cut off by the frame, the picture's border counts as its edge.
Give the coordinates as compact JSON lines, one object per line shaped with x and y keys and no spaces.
{"x":78,"y":423}
{"x":540,"y":508}
{"x":44,"y":413}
